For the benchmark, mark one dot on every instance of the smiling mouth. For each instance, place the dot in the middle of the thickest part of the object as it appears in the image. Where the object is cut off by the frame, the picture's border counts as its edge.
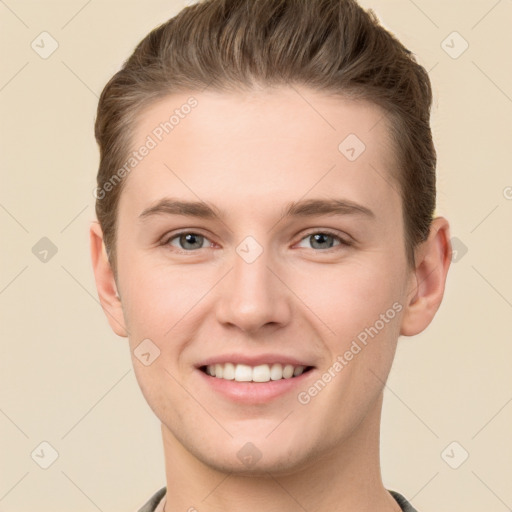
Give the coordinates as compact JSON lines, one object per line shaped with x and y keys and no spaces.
{"x":261,"y":373}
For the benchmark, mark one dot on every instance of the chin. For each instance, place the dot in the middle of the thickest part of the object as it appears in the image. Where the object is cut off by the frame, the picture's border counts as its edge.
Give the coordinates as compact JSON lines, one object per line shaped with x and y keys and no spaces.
{"x":263,"y":467}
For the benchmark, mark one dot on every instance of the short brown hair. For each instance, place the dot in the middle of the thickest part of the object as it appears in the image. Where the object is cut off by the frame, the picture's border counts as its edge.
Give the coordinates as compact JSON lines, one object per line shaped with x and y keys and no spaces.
{"x":334,"y":46}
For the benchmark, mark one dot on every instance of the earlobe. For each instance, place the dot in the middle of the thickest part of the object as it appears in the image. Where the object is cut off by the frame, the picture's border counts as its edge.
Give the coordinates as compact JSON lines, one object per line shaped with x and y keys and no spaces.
{"x":429,"y":279}
{"x":105,"y":282}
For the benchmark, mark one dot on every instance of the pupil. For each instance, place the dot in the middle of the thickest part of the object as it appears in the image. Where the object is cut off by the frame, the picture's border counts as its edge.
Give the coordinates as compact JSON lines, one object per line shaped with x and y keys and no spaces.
{"x":194,"y":240}
{"x":320,"y":238}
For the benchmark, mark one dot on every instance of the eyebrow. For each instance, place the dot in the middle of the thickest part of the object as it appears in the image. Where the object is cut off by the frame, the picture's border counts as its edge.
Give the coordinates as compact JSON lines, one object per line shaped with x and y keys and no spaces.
{"x":302,"y":208}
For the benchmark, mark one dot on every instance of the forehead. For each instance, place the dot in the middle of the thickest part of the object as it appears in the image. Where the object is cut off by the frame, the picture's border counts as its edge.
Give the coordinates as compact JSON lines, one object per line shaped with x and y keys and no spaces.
{"x":283,"y":142}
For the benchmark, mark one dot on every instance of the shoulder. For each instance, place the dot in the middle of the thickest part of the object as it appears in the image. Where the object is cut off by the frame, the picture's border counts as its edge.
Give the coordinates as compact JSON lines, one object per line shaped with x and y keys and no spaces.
{"x":153,"y":502}
{"x":404,"y":504}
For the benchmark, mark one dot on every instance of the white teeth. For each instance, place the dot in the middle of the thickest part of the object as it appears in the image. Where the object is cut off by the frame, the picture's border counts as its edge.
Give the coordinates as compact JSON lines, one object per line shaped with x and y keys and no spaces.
{"x":243,"y":373}
{"x":276,"y":372}
{"x":260,"y":373}
{"x":287,"y":371}
{"x":229,"y":371}
{"x":298,"y":371}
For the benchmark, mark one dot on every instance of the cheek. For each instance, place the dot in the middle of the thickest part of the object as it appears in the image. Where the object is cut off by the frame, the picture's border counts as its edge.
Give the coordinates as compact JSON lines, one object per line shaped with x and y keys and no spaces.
{"x":153,"y":295}
{"x":350,"y":296}
{"x":165,"y":304}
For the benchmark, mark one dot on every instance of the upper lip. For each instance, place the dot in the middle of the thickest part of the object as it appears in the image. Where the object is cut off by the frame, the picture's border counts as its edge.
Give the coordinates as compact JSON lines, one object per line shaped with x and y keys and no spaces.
{"x":255,"y":360}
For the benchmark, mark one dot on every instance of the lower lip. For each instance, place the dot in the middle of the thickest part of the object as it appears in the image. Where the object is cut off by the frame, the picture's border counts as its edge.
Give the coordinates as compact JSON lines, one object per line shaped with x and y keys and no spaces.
{"x":254,"y":392}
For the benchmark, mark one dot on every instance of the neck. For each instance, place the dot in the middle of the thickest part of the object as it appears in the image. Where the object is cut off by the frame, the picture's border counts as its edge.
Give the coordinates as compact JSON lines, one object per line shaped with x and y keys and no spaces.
{"x":345,"y":478}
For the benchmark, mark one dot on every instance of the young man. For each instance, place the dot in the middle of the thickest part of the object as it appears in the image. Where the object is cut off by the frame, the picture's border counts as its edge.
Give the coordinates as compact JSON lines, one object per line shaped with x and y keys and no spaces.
{"x":265,"y":234}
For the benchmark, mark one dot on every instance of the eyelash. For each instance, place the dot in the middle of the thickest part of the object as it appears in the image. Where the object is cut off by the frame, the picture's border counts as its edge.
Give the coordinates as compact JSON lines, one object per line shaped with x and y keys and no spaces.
{"x":342,"y":242}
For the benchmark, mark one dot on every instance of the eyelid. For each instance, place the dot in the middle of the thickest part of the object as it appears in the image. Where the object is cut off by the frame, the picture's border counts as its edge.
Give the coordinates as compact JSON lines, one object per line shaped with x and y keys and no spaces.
{"x":344,"y":240}
{"x":166,"y":239}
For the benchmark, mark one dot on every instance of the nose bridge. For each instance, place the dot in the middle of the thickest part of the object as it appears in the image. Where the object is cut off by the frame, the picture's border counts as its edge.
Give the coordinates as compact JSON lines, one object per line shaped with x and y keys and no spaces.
{"x":252,"y":296}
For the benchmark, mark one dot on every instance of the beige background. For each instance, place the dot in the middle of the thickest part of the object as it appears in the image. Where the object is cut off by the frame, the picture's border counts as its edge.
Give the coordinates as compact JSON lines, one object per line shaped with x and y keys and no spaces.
{"x":66,"y":379}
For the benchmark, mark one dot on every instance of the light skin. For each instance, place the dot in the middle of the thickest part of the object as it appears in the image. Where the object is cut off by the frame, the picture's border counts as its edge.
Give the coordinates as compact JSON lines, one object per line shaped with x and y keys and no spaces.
{"x":249,"y":156}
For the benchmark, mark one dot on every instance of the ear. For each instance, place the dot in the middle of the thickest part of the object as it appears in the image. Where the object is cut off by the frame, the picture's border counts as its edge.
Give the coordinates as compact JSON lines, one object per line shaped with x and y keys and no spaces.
{"x":105,"y":282}
{"x":433,"y":258}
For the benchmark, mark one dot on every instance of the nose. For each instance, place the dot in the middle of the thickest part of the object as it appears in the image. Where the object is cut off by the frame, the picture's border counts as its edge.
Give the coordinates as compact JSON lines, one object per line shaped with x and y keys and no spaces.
{"x":253,"y":295}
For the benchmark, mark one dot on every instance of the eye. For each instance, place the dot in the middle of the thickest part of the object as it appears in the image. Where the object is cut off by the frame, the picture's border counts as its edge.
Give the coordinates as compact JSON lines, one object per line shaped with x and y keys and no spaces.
{"x":188,"y":241}
{"x":323,"y":240}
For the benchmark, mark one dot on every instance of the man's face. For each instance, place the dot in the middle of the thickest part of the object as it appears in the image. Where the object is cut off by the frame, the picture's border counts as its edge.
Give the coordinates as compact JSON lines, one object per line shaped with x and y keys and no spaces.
{"x":251,"y":284}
